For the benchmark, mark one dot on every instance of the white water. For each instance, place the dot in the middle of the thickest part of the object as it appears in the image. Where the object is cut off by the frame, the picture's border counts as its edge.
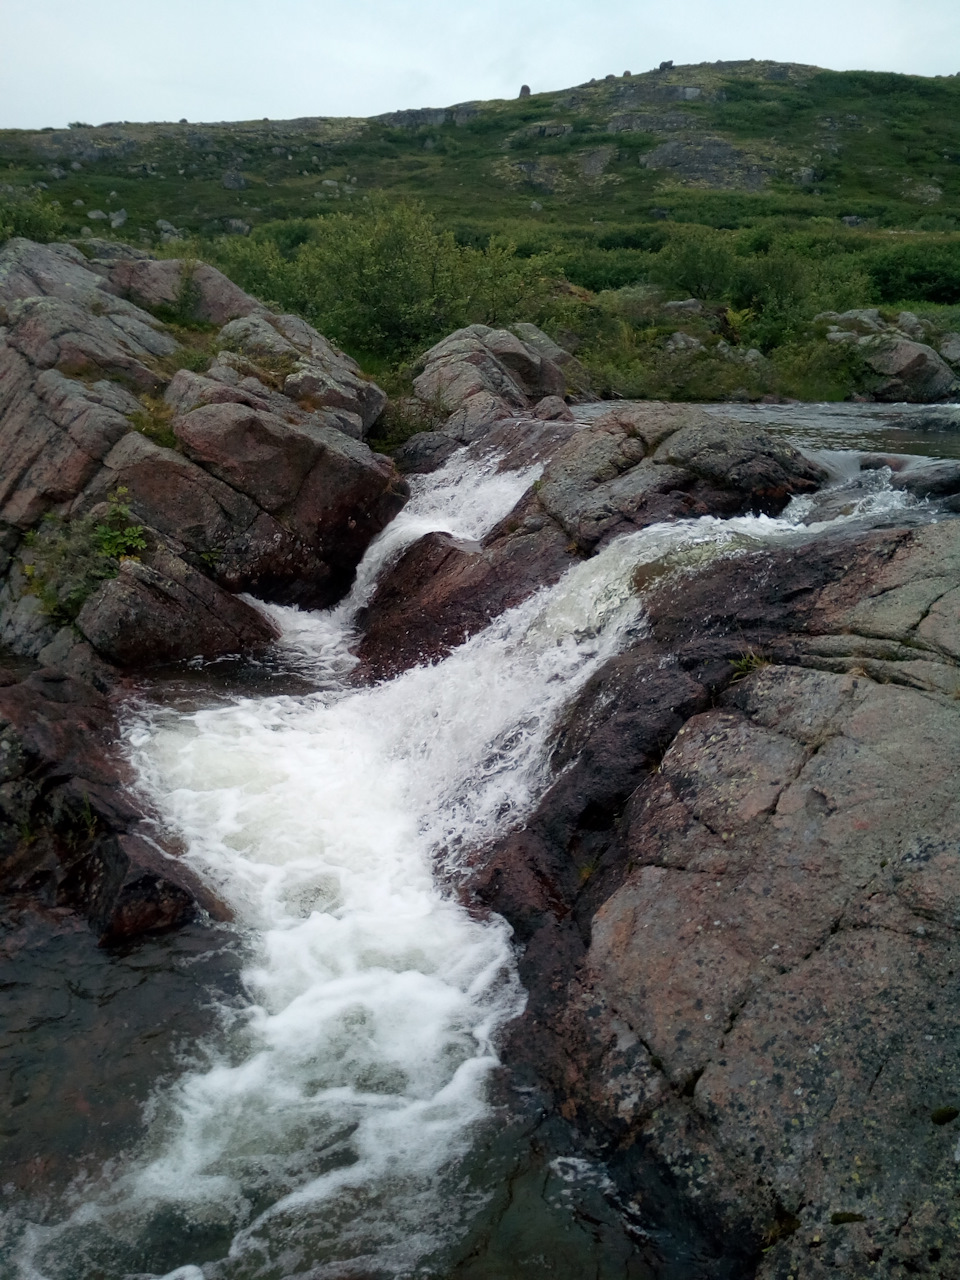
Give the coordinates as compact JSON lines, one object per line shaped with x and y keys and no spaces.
{"x":330,"y":1115}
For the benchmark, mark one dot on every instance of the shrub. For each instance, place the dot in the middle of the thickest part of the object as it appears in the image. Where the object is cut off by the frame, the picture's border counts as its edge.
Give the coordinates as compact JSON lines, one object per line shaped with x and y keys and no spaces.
{"x":32,"y":217}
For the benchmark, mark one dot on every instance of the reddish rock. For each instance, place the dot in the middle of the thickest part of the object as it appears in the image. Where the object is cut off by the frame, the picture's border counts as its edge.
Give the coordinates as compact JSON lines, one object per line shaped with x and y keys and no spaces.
{"x":67,"y":823}
{"x":165,"y":611}
{"x":739,"y":907}
{"x":200,"y":290}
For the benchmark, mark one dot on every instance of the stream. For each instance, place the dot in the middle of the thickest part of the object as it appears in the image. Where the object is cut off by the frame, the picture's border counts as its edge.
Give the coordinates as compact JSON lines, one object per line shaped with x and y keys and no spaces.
{"x":314,"y":1090}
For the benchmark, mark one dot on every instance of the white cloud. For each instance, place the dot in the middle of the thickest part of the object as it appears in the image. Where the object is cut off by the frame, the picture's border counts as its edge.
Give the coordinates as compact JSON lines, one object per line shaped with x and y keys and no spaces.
{"x":213,"y":60}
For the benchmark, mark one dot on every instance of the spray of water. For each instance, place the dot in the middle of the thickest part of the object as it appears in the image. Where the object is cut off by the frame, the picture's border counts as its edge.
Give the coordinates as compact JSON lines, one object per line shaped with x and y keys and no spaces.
{"x":329,"y":1120}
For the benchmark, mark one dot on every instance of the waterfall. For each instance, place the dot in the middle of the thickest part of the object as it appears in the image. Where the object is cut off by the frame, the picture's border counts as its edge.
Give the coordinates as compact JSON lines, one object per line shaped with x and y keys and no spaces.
{"x":324,"y":1128}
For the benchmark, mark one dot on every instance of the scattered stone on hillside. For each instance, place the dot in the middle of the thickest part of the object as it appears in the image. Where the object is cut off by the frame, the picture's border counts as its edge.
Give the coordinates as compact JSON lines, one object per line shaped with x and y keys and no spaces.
{"x":709,"y":162}
{"x":683,"y":342}
{"x":689,"y":307}
{"x":910,"y":371}
{"x":233,"y":181}
{"x":168,"y":231}
{"x":524,"y":91}
{"x":97,"y":215}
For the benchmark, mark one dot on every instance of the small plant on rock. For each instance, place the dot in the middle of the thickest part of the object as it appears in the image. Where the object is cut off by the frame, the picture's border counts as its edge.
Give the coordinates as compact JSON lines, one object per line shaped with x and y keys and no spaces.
{"x":117,"y":538}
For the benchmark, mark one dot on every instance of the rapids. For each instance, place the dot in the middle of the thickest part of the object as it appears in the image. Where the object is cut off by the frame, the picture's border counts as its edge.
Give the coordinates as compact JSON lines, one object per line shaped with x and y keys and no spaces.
{"x":337,"y":1118}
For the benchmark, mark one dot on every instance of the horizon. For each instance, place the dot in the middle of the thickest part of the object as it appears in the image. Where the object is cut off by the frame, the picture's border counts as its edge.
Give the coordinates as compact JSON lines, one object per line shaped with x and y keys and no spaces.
{"x":361,"y":58}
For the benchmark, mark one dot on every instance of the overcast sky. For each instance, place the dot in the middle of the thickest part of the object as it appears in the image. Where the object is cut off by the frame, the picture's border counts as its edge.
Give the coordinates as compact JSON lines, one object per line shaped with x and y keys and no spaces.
{"x":244,"y":59}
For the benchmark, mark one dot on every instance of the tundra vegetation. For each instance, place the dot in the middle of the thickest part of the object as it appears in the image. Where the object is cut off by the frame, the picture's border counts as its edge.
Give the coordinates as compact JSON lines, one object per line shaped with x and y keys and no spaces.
{"x":768,"y":193}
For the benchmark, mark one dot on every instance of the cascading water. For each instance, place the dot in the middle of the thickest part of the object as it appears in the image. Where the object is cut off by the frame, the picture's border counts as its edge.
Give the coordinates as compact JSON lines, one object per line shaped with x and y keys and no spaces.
{"x":325,"y":1126}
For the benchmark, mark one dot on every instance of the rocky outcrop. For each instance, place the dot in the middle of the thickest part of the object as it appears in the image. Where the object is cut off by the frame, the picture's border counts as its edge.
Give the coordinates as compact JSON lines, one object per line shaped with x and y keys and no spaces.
{"x":248,"y":476}
{"x":738,"y":907}
{"x":70,"y":835}
{"x":479,"y":375}
{"x":615,"y":470}
{"x":909,"y":371}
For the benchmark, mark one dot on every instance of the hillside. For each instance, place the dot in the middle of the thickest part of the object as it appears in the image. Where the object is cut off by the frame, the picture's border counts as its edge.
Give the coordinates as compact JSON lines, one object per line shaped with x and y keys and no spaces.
{"x":724,"y":144}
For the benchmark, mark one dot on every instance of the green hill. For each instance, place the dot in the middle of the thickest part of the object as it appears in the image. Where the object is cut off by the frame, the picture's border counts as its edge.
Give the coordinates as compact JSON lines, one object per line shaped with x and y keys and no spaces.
{"x":771,"y":192}
{"x":726,"y":144}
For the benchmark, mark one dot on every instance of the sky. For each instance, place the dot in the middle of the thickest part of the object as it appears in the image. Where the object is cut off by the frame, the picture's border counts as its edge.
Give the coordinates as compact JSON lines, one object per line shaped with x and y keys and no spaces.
{"x":209,"y":60}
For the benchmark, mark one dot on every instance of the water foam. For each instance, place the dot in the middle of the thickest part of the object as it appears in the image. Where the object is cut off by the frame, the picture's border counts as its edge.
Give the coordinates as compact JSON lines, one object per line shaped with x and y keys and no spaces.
{"x":329,"y":1116}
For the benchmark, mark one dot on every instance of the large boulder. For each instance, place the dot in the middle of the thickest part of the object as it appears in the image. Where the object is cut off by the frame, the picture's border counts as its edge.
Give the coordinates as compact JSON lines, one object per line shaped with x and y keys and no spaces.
{"x":909,"y":371}
{"x":70,"y":835}
{"x":478,"y":375}
{"x":314,"y":373}
{"x":738,"y":906}
{"x":166,"y":611}
{"x":321,"y":485}
{"x":268,"y":489}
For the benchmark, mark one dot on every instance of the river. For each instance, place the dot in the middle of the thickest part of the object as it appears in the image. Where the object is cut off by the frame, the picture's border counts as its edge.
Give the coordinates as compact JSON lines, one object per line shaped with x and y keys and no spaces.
{"x":314,"y":1090}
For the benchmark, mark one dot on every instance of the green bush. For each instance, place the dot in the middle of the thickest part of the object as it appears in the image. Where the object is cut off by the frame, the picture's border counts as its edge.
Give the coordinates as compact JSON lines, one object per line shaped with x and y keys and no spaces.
{"x":32,"y":217}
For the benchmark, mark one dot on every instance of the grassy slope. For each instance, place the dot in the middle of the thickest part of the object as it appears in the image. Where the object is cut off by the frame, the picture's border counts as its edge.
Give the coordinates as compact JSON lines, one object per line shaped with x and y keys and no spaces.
{"x":882,"y":146}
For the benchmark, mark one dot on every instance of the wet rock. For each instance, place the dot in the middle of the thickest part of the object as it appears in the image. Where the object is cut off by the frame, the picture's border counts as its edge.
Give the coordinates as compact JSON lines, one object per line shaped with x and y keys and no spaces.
{"x":935,"y":480}
{"x":223,"y":532}
{"x":738,"y":903}
{"x":68,"y":829}
{"x":950,"y":348}
{"x":166,"y":611}
{"x":909,"y":371}
{"x":630,"y":467}
{"x":425,"y":452}
{"x":327,"y":489}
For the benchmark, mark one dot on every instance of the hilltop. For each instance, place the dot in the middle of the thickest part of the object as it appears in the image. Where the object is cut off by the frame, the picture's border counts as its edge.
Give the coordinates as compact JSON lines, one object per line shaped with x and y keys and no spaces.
{"x":720,"y":143}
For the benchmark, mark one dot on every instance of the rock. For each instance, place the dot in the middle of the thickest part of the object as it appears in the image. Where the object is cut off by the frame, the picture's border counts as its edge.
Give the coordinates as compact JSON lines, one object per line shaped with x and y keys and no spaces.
{"x":320,"y":377}
{"x":118,"y":219}
{"x":233,"y":181}
{"x":524,"y":91}
{"x":97,"y":215}
{"x":632,"y":466}
{"x":200,"y":291}
{"x":935,"y":480}
{"x":236,"y":227}
{"x":55,"y":334}
{"x":479,"y":375}
{"x":54,"y":434}
{"x":757,"y":471}
{"x":911,"y":326}
{"x":68,"y":829}
{"x":690,"y":307}
{"x":738,"y":906}
{"x":864,"y":320}
{"x":909,"y":371}
{"x":165,"y":611}
{"x":425,"y":452}
{"x":950,"y":348}
{"x":330,"y":491}
{"x":220,"y":530}
{"x":552,"y":409}
{"x":683,"y":342}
